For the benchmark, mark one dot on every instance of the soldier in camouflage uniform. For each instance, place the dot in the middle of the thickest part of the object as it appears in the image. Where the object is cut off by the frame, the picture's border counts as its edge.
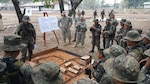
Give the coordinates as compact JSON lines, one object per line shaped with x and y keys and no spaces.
{"x":127,"y":27}
{"x":146,"y":68}
{"x":47,"y":73}
{"x":133,"y":39}
{"x":111,"y":52}
{"x":27,"y":32}
{"x":114,"y":23}
{"x":96,"y":32}
{"x":77,"y":19}
{"x":65,"y":23}
{"x":11,"y":47}
{"x":111,"y":13}
{"x":107,"y":32}
{"x":102,"y":15}
{"x":121,"y":30}
{"x":95,"y":14}
{"x":146,"y":40}
{"x":81,"y":31}
{"x":85,"y":81}
{"x":122,"y":70}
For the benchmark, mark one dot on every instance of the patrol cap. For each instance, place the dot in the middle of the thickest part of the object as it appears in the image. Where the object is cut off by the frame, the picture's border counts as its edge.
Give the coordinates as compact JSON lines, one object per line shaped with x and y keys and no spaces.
{"x":96,"y":20}
{"x":26,"y":18}
{"x":128,"y":23}
{"x":133,"y":35}
{"x":85,"y":81}
{"x":125,"y":69}
{"x":114,"y":51}
{"x":147,"y":35}
{"x":147,"y":52}
{"x":12,"y":43}
{"x":47,"y":72}
{"x":108,"y":20}
{"x":122,"y":21}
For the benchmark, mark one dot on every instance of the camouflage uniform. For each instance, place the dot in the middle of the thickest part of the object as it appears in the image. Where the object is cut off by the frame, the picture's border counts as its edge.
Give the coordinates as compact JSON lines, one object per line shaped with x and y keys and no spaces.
{"x":125,"y":69}
{"x":13,"y":43}
{"x":114,"y":23}
{"x":111,"y":14}
{"x":65,"y":23}
{"x":102,"y":15}
{"x":95,"y":14}
{"x":129,"y":28}
{"x":134,"y":50}
{"x":111,"y":52}
{"x":107,"y":32}
{"x":76,"y":21}
{"x":121,"y":30}
{"x":81,"y":31}
{"x":146,"y":40}
{"x":47,"y":73}
{"x":27,"y":32}
{"x":96,"y":32}
{"x":146,"y":69}
{"x":85,"y":81}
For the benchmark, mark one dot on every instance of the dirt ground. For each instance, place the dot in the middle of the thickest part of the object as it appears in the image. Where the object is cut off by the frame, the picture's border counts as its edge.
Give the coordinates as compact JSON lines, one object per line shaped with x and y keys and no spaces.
{"x":139,"y":19}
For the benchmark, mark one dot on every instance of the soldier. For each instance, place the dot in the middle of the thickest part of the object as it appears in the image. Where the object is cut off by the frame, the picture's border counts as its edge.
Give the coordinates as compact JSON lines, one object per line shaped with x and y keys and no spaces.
{"x":114,"y":23}
{"x":47,"y":73}
{"x":133,"y":39}
{"x":146,"y":40}
{"x":122,"y":70}
{"x":146,"y":68}
{"x":107,"y":32}
{"x":27,"y":32}
{"x":85,"y":81}
{"x":102,"y":15}
{"x":81,"y":31}
{"x":127,"y":27}
{"x":1,"y":23}
{"x":111,"y":52}
{"x":121,"y":30}
{"x":76,"y":21}
{"x":95,"y":14}
{"x":111,"y":13}
{"x":83,"y":13}
{"x":96,"y":32}
{"x":65,"y":23}
{"x":15,"y":72}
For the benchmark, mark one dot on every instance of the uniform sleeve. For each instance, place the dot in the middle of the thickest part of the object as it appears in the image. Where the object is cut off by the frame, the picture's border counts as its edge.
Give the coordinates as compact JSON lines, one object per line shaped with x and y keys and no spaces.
{"x":34,"y":32}
{"x":18,"y":30}
{"x":70,"y":21}
{"x":59,"y":22}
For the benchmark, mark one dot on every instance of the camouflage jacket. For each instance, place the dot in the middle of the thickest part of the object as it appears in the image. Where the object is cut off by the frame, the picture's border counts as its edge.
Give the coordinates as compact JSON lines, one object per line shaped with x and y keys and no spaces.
{"x":65,"y":22}
{"x":106,"y":79}
{"x":27,"y":32}
{"x":96,"y":31}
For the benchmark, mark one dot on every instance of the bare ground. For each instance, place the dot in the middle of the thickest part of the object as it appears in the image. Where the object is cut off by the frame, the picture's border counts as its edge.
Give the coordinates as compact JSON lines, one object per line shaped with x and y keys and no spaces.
{"x":138,"y":19}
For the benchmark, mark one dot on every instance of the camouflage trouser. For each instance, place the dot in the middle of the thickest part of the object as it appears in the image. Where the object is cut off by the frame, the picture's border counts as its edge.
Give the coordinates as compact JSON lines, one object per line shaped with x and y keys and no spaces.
{"x":80,"y":38}
{"x":66,"y":33}
{"x":95,"y":42}
{"x":107,"y":42}
{"x":28,"y":49}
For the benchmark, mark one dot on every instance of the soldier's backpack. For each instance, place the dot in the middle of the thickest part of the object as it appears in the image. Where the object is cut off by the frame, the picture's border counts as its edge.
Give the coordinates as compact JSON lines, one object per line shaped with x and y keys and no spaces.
{"x":9,"y":72}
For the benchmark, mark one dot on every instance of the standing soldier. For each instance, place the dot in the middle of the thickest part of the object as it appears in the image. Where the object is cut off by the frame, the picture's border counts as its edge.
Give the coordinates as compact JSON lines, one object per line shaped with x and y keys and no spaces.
{"x":102,"y":14}
{"x":27,"y":32}
{"x":81,"y":31}
{"x":76,"y":21}
{"x":83,"y":13}
{"x":95,"y":14}
{"x":111,"y":13}
{"x":65,"y":23}
{"x":121,"y":30}
{"x":107,"y":32}
{"x":114,"y":23}
{"x":96,"y":32}
{"x":127,"y":27}
{"x":1,"y":22}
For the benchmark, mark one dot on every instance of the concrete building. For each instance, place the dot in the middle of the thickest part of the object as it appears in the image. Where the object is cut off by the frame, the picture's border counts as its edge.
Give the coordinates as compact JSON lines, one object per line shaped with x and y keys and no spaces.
{"x":146,"y":4}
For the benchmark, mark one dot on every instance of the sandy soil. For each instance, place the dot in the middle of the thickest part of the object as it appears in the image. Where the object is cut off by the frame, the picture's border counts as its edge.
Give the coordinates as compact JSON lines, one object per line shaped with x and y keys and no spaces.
{"x":138,"y":19}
